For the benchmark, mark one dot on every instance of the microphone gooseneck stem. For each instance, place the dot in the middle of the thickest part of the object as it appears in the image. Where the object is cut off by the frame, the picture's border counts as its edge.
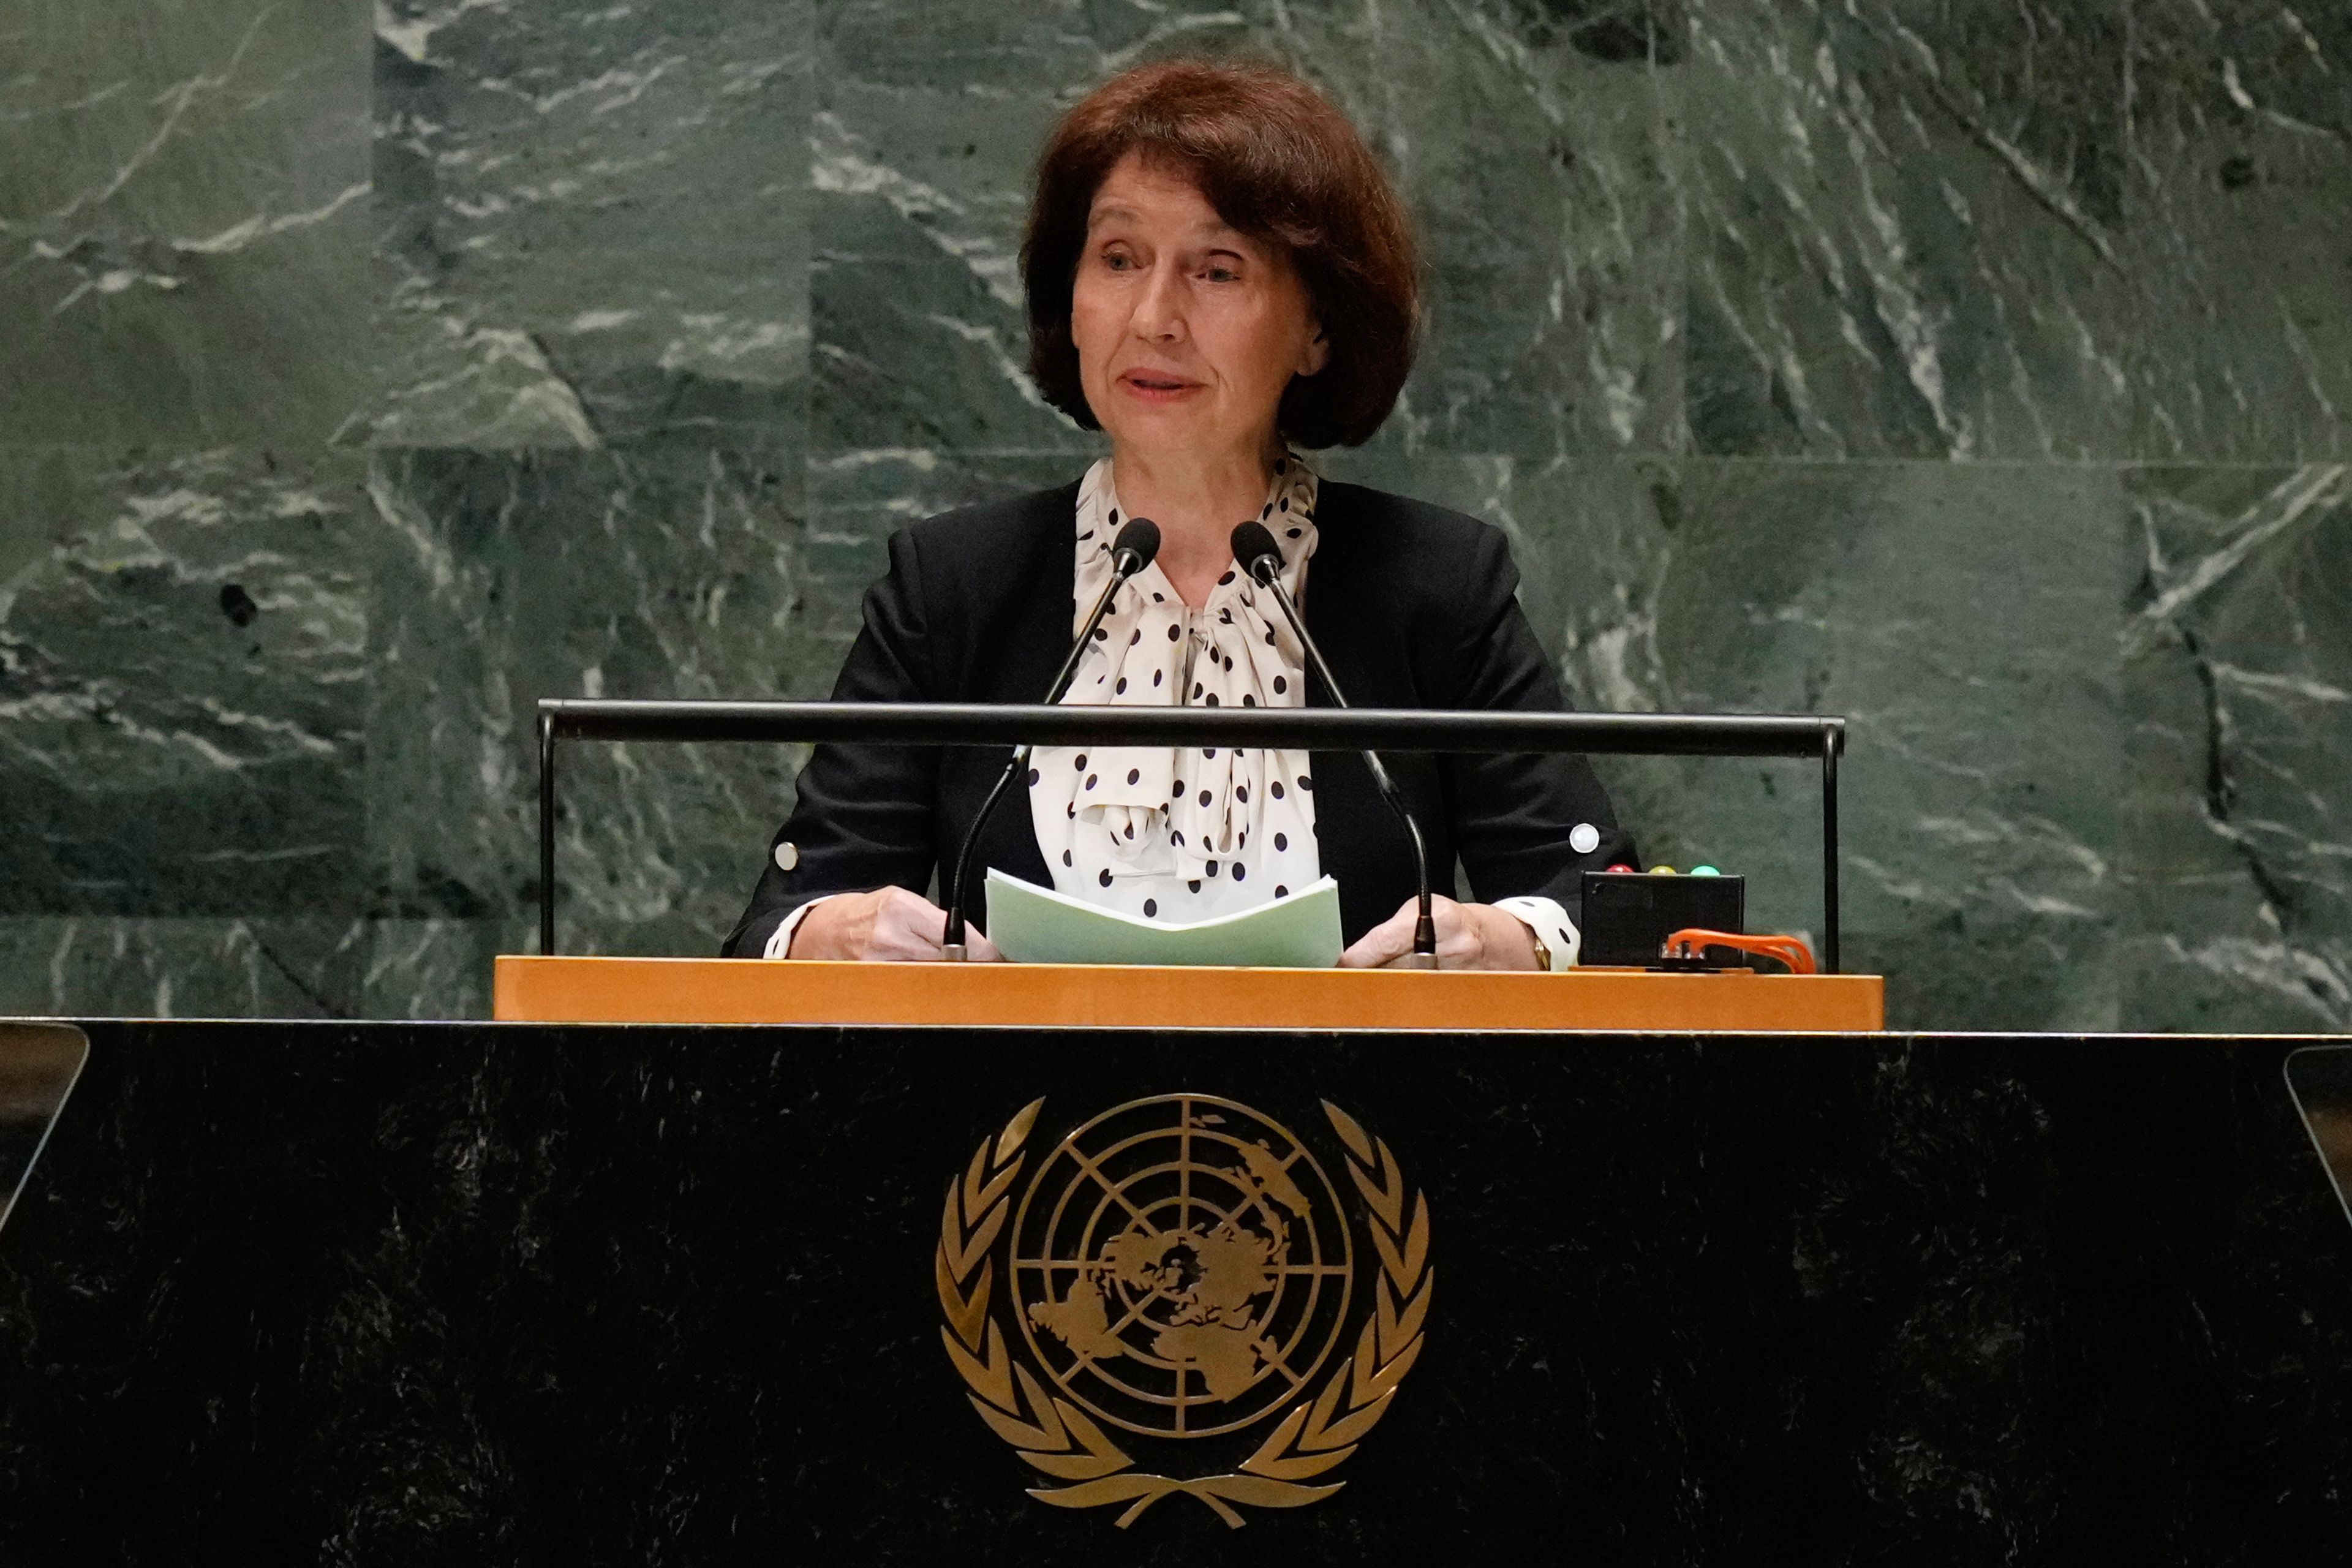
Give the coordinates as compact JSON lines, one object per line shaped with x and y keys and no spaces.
{"x":952,"y":947}
{"x":1424,"y":930}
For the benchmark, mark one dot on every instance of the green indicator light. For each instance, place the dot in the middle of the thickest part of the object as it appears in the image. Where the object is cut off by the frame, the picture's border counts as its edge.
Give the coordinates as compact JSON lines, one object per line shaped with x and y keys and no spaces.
{"x":1705,"y":872}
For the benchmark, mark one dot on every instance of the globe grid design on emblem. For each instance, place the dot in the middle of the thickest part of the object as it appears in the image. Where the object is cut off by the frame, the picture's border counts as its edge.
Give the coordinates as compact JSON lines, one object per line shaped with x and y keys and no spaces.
{"x":1181,"y":1266}
{"x":1177,"y":1268}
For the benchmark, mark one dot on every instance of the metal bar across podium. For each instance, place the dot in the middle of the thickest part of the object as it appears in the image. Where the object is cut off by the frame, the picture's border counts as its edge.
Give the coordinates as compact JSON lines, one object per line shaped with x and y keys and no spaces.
{"x":1299,"y":728}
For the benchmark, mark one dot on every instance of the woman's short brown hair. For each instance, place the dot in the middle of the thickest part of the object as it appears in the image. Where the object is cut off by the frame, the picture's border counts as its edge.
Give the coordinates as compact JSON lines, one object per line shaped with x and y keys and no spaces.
{"x":1279,"y":164}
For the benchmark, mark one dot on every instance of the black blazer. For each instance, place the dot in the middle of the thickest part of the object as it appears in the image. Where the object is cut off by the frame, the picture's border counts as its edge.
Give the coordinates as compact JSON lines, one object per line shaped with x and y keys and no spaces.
{"x":1414,"y":607}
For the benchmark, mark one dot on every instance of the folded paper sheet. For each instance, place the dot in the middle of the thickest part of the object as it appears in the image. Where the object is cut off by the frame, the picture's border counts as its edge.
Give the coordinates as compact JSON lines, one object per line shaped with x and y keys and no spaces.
{"x":1031,"y":924}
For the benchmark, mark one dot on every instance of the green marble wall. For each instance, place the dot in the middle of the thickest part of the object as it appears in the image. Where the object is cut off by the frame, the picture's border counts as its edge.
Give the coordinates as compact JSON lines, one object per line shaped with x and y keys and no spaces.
{"x":368,"y":371}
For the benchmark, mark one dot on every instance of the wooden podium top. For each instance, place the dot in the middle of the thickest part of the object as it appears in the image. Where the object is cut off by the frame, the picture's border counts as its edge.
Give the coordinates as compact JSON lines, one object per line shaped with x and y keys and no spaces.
{"x":1049,"y":996}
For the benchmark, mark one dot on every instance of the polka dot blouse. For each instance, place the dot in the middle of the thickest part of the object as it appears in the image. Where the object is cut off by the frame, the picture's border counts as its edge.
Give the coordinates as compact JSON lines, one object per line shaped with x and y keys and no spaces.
{"x":1186,"y":833}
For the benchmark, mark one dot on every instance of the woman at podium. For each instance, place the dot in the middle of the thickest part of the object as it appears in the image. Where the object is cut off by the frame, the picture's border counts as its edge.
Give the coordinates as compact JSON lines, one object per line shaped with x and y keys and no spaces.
{"x":1218,"y":276}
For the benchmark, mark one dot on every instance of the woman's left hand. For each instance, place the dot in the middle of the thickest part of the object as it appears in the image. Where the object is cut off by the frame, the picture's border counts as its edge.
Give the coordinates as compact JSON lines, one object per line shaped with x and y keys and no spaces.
{"x":1469,"y":936}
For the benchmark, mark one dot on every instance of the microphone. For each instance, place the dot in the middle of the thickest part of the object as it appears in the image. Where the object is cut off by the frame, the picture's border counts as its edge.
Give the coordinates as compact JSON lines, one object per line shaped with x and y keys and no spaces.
{"x":1130,"y":553}
{"x":1261,"y":558}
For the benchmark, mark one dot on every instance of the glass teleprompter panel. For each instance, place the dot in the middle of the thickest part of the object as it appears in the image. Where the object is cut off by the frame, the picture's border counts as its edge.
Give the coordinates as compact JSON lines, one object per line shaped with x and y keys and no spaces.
{"x":2320,"y":1078}
{"x":38,"y":1064}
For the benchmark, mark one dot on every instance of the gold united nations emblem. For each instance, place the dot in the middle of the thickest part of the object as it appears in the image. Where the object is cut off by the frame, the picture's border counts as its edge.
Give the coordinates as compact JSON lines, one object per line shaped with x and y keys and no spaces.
{"x":1182,"y":1267}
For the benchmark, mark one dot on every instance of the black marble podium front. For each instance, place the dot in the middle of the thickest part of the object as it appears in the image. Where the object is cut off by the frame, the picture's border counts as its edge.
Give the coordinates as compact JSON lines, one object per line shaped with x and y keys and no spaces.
{"x":369,"y":1294}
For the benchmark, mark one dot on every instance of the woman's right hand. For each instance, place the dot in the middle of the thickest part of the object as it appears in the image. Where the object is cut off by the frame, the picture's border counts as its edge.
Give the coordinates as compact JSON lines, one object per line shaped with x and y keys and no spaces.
{"x":888,"y":925}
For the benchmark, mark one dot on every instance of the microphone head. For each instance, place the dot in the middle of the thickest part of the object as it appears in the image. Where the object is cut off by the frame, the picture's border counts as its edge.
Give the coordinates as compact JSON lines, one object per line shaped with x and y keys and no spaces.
{"x":1140,"y":539}
{"x":1253,"y":544}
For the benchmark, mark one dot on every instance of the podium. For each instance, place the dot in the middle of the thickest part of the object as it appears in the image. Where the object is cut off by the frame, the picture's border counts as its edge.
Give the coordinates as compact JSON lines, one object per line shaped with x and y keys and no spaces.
{"x":1116,"y":996}
{"x":645,"y":1291}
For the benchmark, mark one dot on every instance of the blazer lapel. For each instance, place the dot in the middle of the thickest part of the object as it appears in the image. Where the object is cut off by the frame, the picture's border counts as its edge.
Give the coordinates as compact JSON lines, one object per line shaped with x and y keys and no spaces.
{"x":1009,"y":656}
{"x":1351,"y":609}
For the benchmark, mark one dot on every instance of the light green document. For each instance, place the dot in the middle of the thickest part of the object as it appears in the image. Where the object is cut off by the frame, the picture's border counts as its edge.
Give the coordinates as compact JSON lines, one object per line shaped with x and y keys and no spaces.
{"x":1031,"y":924}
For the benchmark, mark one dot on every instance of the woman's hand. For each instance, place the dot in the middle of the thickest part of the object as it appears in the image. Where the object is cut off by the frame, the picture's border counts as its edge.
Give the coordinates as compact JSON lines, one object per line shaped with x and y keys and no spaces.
{"x":1469,"y":936}
{"x":890,"y":925}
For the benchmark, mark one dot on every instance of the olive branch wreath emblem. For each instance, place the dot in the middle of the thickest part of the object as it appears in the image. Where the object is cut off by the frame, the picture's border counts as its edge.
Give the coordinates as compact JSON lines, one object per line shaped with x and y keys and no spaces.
{"x":1314,"y":1438}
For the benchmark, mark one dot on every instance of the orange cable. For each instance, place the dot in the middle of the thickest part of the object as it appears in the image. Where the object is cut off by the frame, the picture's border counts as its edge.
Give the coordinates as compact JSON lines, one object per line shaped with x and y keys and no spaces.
{"x":1692,"y":941}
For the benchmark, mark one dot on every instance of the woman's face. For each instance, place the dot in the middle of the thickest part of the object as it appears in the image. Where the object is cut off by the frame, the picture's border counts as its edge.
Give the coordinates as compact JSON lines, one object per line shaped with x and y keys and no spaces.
{"x":1187,"y":330}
